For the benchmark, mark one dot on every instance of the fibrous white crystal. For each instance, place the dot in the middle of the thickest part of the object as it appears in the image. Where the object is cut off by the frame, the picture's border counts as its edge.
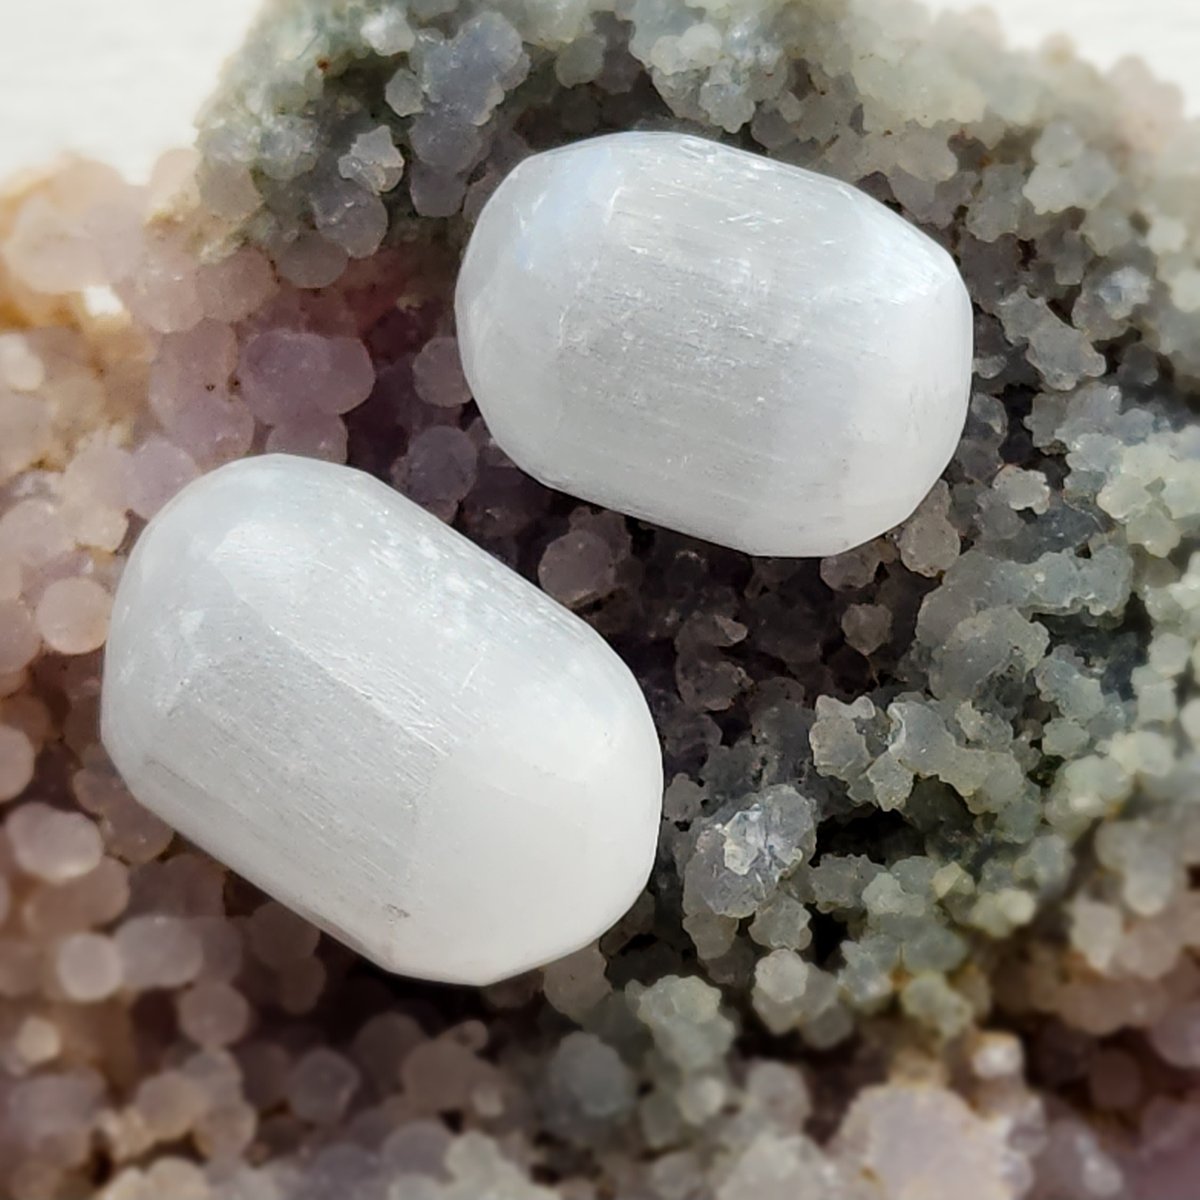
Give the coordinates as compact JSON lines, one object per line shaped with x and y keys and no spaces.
{"x":716,"y":342}
{"x":378,"y":723}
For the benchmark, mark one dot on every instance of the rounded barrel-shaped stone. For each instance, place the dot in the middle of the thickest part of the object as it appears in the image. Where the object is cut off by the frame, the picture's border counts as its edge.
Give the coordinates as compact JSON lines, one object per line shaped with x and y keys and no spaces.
{"x":378,"y":723}
{"x":716,"y":342}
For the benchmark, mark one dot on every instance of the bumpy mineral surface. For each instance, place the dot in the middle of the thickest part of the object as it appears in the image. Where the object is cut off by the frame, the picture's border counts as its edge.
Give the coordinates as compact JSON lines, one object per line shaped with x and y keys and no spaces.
{"x":925,"y":915}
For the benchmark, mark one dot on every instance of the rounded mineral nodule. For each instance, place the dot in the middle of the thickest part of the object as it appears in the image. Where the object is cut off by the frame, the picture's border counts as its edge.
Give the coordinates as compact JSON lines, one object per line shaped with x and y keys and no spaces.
{"x":716,"y":342}
{"x":378,"y":723}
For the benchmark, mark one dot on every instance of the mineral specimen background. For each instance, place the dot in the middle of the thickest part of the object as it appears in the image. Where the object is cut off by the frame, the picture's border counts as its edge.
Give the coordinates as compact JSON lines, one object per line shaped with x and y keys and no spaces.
{"x":123,"y":82}
{"x":925,"y":915}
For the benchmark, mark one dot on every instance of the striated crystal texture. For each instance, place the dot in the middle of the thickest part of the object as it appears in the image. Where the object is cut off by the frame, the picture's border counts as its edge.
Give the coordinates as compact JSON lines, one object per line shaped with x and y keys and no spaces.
{"x":379,"y":723}
{"x":729,"y":346}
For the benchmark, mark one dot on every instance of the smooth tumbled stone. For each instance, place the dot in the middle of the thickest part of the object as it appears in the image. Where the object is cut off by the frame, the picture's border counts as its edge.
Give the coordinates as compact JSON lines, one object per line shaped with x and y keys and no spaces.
{"x":729,"y":346}
{"x":378,"y":723}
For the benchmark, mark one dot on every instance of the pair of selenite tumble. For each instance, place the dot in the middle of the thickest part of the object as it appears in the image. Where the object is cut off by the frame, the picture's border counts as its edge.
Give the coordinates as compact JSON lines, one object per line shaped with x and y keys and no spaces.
{"x":381,"y":725}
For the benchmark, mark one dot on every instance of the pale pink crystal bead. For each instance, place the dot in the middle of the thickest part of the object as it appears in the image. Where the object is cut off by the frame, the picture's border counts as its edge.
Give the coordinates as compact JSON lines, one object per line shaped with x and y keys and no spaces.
{"x":311,"y":261}
{"x":88,"y":967}
{"x":34,"y":533}
{"x":160,"y":469}
{"x":438,"y":374}
{"x":19,"y":637}
{"x":315,"y":435}
{"x":53,"y":845}
{"x":24,"y":432}
{"x":189,"y":394}
{"x":72,"y":615}
{"x":237,"y":285}
{"x":20,"y":367}
{"x":286,"y":374}
{"x":439,"y":469}
{"x":163,"y":292}
{"x":17,"y":758}
{"x":95,"y":491}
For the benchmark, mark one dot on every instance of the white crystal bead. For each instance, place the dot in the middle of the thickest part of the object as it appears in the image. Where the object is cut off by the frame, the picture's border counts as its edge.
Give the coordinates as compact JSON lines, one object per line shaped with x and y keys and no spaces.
{"x":378,"y":723}
{"x":715,"y":342}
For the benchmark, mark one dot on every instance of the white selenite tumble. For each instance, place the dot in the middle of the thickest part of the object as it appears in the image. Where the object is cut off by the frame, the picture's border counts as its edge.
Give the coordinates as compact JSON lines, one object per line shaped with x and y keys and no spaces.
{"x":714,"y":341}
{"x":378,"y":723}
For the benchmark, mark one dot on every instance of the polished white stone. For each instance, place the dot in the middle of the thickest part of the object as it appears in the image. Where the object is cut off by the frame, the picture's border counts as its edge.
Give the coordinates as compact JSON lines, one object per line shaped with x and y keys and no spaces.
{"x":715,"y":342}
{"x":378,"y":723}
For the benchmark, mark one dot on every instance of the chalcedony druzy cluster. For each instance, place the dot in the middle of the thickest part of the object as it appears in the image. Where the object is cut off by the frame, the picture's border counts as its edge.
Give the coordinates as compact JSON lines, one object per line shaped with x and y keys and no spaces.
{"x":924,"y":918}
